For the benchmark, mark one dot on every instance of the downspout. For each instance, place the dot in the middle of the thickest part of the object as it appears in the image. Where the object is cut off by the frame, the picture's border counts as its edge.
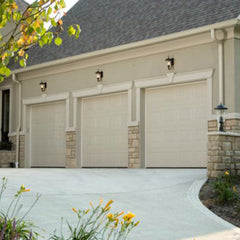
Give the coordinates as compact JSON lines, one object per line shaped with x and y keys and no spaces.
{"x":220,"y":63}
{"x":14,"y":78}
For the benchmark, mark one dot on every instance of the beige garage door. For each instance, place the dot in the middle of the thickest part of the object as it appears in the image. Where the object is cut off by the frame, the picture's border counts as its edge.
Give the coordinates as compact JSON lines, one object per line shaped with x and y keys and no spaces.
{"x":47,"y":135}
{"x":105,"y":131}
{"x":176,"y":126}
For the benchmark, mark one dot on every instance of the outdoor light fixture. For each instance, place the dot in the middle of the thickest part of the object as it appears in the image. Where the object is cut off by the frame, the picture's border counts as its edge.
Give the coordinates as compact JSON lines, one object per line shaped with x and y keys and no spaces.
{"x":170,"y":63}
{"x":43,"y":86}
{"x":99,"y":75}
{"x":221,"y":109}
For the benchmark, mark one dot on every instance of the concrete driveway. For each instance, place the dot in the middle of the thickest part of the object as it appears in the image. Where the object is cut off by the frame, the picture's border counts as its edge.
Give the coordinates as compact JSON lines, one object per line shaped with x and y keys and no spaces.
{"x":164,"y":200}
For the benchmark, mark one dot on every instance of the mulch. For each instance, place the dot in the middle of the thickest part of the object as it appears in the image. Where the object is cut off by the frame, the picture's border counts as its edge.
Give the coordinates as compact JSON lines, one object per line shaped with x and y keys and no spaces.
{"x":228,"y":211}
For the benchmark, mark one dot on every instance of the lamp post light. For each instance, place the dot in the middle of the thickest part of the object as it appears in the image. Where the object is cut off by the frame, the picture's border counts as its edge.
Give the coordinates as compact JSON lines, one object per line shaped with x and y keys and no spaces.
{"x":221,"y":110}
{"x":43,"y":86}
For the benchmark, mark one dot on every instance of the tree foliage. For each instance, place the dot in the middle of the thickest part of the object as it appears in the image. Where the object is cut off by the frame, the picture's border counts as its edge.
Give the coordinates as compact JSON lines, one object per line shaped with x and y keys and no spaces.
{"x":22,"y":28}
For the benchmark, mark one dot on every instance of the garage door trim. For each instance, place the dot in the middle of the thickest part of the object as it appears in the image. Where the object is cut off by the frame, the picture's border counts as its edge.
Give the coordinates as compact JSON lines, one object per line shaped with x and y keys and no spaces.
{"x":146,"y":104}
{"x":168,"y":80}
{"x":173,"y":79}
{"x":27,"y":103}
{"x":99,"y":90}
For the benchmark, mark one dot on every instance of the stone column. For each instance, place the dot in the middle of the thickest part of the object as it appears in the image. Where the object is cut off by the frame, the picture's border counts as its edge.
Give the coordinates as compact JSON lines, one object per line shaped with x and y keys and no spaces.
{"x":223,"y":153}
{"x":133,"y":147}
{"x":22,"y":151}
{"x":13,"y":139}
{"x":7,"y":157}
{"x":71,"y":158}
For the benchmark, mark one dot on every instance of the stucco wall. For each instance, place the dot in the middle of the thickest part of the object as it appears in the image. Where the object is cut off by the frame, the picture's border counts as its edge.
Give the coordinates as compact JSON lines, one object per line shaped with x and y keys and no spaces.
{"x":186,"y":60}
{"x":145,"y":62}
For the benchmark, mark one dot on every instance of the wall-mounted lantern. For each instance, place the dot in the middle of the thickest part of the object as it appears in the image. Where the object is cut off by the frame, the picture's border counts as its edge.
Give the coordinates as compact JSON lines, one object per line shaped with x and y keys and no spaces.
{"x":99,"y":76}
{"x":170,"y":63}
{"x":43,"y":86}
{"x":221,"y":110}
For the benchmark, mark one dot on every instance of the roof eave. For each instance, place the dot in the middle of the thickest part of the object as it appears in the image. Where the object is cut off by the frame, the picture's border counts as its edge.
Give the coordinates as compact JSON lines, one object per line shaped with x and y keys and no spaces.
{"x":125,"y":47}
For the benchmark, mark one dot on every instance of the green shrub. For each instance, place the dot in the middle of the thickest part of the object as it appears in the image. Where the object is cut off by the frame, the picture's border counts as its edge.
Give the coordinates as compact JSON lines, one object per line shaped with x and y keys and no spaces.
{"x":225,"y":189}
{"x":224,"y":192}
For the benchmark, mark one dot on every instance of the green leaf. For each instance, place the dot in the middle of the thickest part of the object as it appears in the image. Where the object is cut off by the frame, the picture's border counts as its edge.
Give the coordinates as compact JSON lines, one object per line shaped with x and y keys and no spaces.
{"x":1,"y":78}
{"x":49,"y":11}
{"x":4,"y":71}
{"x":22,"y":63}
{"x":58,"y":41}
{"x":71,"y":31}
{"x":7,"y":72}
{"x":53,"y":22}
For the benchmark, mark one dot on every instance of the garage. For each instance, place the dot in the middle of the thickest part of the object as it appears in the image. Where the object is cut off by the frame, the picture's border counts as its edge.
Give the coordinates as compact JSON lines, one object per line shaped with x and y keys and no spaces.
{"x":47,"y":135}
{"x":104,"y":134}
{"x":176,"y":126}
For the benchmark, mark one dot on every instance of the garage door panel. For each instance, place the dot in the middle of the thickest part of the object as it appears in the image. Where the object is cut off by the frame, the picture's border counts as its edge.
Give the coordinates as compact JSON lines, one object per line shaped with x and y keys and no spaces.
{"x":105,"y":131}
{"x":47,"y":135}
{"x":176,"y":126}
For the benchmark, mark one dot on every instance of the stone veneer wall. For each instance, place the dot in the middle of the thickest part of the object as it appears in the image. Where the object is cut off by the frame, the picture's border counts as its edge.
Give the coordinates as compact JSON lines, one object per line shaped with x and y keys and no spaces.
{"x":7,"y":157}
{"x":71,"y":159}
{"x":133,"y":147}
{"x":223,"y":154}
{"x":21,"y":149}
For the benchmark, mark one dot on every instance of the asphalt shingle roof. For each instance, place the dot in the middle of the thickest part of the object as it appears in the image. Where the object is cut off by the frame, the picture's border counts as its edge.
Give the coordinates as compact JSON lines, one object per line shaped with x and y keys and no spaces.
{"x":22,"y":4}
{"x":109,"y":23}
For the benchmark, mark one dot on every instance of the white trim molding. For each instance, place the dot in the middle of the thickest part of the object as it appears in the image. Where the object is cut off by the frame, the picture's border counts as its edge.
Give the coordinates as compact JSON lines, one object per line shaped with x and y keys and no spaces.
{"x":105,"y":89}
{"x":224,"y":134}
{"x":46,"y":99}
{"x":102,"y":89}
{"x":173,"y":79}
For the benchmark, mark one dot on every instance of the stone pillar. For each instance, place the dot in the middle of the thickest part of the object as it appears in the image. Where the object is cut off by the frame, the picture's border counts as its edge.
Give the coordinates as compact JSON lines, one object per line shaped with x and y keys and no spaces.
{"x":230,"y":125}
{"x":22,"y":151}
{"x":223,"y":153}
{"x":212,"y":126}
{"x":13,"y":139}
{"x":71,"y":158}
{"x":7,"y":157}
{"x":133,"y":147}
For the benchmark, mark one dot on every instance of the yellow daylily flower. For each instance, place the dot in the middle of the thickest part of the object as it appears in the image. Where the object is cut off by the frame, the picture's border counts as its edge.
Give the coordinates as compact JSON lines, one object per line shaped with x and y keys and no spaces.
{"x":128,"y":217}
{"x":226,"y":173}
{"x":74,"y":209}
{"x":235,"y":189}
{"x":110,"y":216}
{"x":107,"y":205}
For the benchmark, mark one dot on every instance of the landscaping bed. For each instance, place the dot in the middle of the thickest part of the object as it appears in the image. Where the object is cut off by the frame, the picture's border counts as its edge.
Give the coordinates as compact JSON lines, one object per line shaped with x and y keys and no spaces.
{"x":222,"y":197}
